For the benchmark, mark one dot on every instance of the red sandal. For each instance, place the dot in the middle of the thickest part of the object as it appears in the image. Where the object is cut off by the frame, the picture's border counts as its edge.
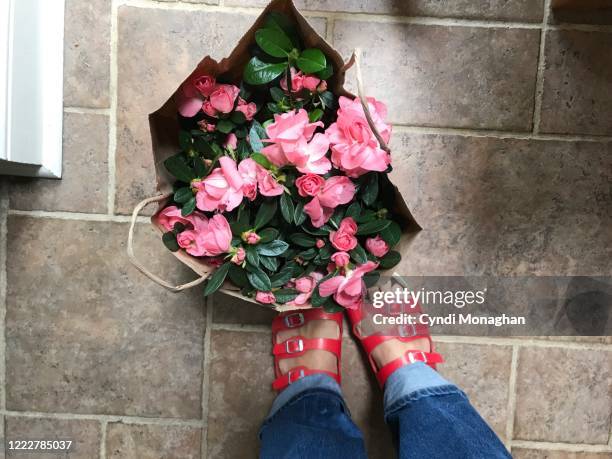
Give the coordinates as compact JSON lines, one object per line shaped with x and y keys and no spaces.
{"x":403,"y":333}
{"x":298,"y":345}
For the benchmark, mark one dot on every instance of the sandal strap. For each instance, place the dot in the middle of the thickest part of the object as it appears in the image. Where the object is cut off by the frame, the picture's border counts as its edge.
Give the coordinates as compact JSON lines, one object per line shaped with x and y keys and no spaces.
{"x":298,"y":373}
{"x":409,"y":357}
{"x":295,"y":319}
{"x":405,"y":333}
{"x":297,"y":345}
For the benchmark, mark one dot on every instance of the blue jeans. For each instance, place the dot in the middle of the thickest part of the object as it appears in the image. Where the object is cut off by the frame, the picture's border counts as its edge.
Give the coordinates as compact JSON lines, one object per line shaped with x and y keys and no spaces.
{"x":428,"y":416}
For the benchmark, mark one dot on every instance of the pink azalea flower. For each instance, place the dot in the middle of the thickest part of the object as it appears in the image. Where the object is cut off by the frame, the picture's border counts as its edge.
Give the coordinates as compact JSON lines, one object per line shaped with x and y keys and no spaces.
{"x":337,"y":190}
{"x":222,"y":189}
{"x":292,"y":142}
{"x":265,"y":297}
{"x":231,"y":141}
{"x":248,"y":171}
{"x":341,"y":259}
{"x":193,"y":93}
{"x":222,"y":99}
{"x":208,"y":238}
{"x":348,"y":290}
{"x":355,"y":150}
{"x":248,"y":109}
{"x":238,"y":257}
{"x":344,"y":239}
{"x":170,"y":216}
{"x":299,"y":81}
{"x":268,"y":186}
{"x":377,"y":246}
{"x":305,"y":286}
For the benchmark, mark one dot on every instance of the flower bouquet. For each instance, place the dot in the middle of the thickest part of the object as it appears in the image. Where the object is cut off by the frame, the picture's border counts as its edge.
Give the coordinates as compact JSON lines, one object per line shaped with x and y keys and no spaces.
{"x":279,"y":187}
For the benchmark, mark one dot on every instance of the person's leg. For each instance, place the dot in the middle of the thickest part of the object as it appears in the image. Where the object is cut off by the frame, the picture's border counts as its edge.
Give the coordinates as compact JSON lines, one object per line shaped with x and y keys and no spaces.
{"x":309,"y":418}
{"x":429,"y":416}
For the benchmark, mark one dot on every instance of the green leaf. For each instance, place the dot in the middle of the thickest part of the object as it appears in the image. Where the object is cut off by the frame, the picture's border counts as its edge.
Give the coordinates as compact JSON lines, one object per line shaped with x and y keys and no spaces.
{"x":258,"y":72}
{"x":274,"y":42}
{"x":287,"y":208}
{"x":259,"y":280}
{"x":359,"y":255}
{"x":327,"y":99}
{"x":390,"y":260}
{"x":370,"y":279}
{"x":285,"y":295}
{"x":243,"y":151}
{"x":189,"y":207}
{"x":199,"y":167}
{"x":337,"y":216}
{"x":185,"y":141}
{"x":270,"y":263}
{"x":182,"y":195}
{"x":238,"y":118}
{"x":309,"y":254}
{"x":316,"y":299}
{"x":299,"y":216}
{"x":370,"y":189}
{"x":215,"y":281}
{"x":277,"y":94}
{"x":312,"y":61}
{"x":256,"y":134}
{"x":272,"y":249}
{"x":282,"y":277}
{"x":203,"y":147}
{"x":267,"y":235}
{"x":391,"y":234}
{"x":373,"y":227}
{"x":327,"y":72}
{"x":179,"y":168}
{"x":169,"y":240}
{"x":279,"y":21}
{"x":303,"y":240}
{"x":315,"y":115}
{"x":260,"y":159}
{"x":238,"y":276}
{"x":323,"y":231}
{"x":225,"y":126}
{"x":331,"y":307}
{"x":366,"y":216}
{"x":353,"y":211}
{"x":265,"y":213}
{"x":252,"y":256}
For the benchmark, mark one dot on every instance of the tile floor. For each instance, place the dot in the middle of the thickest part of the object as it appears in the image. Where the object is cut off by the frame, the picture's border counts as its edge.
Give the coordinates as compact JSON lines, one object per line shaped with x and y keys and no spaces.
{"x":503,"y":144}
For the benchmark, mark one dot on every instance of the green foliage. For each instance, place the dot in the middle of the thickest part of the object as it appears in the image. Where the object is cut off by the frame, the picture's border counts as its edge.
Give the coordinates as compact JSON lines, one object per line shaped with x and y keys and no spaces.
{"x":215,"y":281}
{"x":312,"y":61}
{"x":258,"y":72}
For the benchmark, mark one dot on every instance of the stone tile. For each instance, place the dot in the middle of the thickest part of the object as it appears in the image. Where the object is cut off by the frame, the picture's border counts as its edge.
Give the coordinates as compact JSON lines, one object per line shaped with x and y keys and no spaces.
{"x":364,"y":399}
{"x":85,"y":436}
{"x":84,"y":183}
{"x":87,"y":53}
{"x":133,"y":441}
{"x":576,"y":97}
{"x":514,"y":10}
{"x":96,"y":336}
{"x":483,"y":373}
{"x":564,"y":395}
{"x":578,"y":16}
{"x":171,"y":43}
{"x":520,"y":453}
{"x":505,"y":207}
{"x":240,"y":393}
{"x":231,"y":310}
{"x":447,"y":76}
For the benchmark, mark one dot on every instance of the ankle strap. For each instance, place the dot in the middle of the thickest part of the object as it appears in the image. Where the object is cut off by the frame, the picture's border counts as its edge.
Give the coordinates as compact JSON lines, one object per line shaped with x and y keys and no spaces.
{"x":298,"y":373}
{"x":430,"y":358}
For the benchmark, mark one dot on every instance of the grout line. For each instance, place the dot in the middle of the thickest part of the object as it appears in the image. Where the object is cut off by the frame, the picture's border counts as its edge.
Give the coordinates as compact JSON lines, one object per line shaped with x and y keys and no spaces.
{"x":4,"y":205}
{"x":411,"y":129}
{"x":106,"y":418}
{"x":512,"y":396}
{"x":87,"y":110}
{"x":243,"y":328}
{"x":112,"y":122}
{"x":78,"y":216}
{"x":566,"y":447}
{"x":103,"y":426}
{"x":360,"y":16}
{"x":206,"y":376}
{"x":329,"y":31}
{"x":539,"y":88}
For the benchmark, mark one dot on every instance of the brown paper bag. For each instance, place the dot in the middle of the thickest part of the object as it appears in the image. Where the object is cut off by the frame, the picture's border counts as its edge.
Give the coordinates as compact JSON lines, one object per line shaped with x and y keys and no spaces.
{"x":165,"y":129}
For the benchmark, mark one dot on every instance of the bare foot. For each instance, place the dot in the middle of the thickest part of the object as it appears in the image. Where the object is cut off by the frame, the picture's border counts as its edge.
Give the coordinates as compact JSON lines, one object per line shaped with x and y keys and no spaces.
{"x":314,"y":359}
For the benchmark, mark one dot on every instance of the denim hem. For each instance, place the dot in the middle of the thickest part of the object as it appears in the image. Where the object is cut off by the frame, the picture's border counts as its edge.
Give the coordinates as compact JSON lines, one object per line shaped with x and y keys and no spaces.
{"x":299,"y":396}
{"x":437,"y":391}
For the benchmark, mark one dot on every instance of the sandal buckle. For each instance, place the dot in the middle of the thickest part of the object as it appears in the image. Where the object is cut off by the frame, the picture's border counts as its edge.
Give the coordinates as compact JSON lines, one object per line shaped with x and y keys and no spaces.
{"x":291,"y":379}
{"x":412,"y":356}
{"x":293,"y":346}
{"x":294,"y":320}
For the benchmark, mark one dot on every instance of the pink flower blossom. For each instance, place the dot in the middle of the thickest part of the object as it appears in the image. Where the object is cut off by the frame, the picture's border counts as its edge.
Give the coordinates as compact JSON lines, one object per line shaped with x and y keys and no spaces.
{"x":348,"y":290}
{"x":208,"y":238}
{"x":222,"y":189}
{"x":268,"y":186}
{"x":170,"y":216}
{"x":341,"y":259}
{"x":294,"y":142}
{"x":231,"y":141}
{"x":248,"y":171}
{"x":239,"y":256}
{"x":305,"y":286}
{"x":320,"y":243}
{"x":299,"y":81}
{"x":223,"y":97}
{"x":355,"y":150}
{"x":265,"y":297}
{"x":337,"y":190}
{"x":205,"y":84}
{"x":377,"y":246}
{"x":248,"y":109}
{"x":206,"y":126}
{"x":309,"y":185}
{"x":193,"y":93}
{"x":251,"y":237}
{"x":344,"y":239}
